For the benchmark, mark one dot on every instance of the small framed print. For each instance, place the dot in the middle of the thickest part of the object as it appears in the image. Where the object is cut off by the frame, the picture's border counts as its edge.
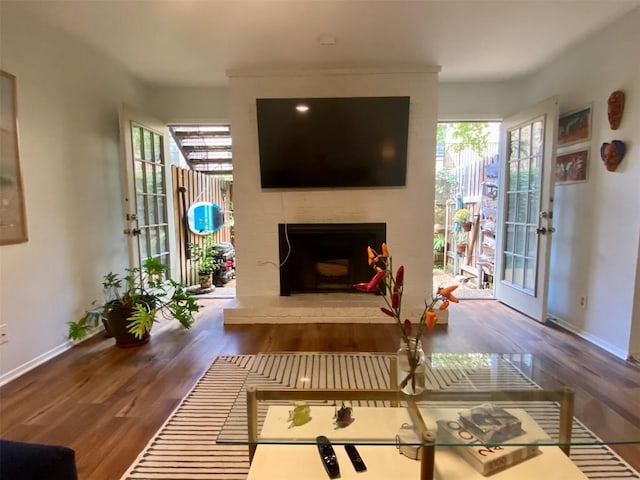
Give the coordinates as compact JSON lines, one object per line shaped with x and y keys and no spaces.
{"x":572,"y":167}
{"x":13,"y":222}
{"x":574,"y":127}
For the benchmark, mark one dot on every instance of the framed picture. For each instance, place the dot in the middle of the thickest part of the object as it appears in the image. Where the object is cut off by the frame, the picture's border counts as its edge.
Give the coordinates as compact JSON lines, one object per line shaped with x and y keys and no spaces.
{"x":574,"y":126}
{"x":13,"y":223}
{"x":572,"y":167}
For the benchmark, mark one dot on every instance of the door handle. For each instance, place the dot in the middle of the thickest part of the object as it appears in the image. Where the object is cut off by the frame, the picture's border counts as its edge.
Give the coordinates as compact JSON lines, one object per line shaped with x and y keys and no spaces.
{"x":543,"y":231}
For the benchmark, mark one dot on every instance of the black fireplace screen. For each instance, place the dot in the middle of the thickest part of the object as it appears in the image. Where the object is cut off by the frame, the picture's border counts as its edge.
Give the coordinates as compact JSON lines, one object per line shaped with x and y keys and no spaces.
{"x":326,"y":257}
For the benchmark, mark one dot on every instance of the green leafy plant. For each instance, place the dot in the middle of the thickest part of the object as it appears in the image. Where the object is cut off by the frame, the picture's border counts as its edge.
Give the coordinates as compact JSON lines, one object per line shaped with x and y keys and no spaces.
{"x":204,"y":257}
{"x":438,"y":242}
{"x":147,"y":292}
{"x":446,"y":184}
{"x":460,"y":237}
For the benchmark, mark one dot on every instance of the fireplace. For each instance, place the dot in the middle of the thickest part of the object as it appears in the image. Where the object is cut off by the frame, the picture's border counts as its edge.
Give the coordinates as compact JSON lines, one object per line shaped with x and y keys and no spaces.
{"x":326,"y":257}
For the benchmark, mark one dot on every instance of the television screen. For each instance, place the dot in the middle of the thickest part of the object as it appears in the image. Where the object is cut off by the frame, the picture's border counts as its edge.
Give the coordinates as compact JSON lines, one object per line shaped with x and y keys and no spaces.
{"x":333,"y":142}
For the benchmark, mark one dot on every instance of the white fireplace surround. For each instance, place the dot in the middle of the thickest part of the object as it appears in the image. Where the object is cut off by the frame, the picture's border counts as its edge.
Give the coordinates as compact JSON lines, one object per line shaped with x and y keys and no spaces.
{"x":407,"y":211}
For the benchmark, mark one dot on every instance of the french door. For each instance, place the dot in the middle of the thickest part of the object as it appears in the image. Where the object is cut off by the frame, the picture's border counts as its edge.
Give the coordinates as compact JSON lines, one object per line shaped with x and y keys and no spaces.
{"x":525,"y":209}
{"x":147,"y":196}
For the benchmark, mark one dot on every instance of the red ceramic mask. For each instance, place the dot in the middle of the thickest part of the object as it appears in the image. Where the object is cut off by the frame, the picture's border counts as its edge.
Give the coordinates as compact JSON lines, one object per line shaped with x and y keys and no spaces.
{"x":616,"y":107}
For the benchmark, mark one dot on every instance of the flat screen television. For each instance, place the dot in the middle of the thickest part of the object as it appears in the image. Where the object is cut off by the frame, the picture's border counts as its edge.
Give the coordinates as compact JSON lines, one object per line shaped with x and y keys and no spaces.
{"x":333,"y":142}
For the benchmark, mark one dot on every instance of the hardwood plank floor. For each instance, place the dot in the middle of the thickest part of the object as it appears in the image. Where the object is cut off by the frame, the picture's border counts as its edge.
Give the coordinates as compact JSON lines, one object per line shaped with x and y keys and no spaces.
{"x":106,"y":402}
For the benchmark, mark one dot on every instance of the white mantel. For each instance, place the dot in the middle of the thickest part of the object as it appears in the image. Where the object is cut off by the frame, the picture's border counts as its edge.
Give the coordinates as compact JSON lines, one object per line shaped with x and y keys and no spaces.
{"x":407,"y":211}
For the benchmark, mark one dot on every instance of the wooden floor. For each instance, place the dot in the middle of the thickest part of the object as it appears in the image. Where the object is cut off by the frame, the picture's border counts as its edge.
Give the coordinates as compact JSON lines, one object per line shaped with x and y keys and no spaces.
{"x":107,"y":402}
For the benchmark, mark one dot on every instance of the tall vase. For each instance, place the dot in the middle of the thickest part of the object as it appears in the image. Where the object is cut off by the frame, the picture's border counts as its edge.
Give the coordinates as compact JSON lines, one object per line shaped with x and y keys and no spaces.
{"x":412,"y":366}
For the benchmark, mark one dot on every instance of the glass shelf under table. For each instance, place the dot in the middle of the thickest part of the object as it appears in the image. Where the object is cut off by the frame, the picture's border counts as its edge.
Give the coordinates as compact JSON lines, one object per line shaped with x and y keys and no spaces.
{"x":387,"y":421}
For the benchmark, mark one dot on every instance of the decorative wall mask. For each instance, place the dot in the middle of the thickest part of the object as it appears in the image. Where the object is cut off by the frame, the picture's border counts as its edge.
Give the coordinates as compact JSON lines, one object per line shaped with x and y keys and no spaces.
{"x":615,"y":109}
{"x":612,"y":154}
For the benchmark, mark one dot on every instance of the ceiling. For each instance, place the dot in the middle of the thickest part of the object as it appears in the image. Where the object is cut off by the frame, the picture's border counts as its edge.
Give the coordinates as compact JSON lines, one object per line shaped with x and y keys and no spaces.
{"x":194,"y":42}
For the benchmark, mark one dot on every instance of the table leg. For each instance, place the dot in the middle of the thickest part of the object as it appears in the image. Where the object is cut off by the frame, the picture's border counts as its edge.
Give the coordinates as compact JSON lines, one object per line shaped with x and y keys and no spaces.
{"x":427,"y":462}
{"x":252,"y":419}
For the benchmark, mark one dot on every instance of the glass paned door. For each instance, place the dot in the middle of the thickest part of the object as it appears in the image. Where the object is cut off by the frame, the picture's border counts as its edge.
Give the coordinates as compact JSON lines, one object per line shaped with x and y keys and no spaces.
{"x":148,"y":203}
{"x":524,"y":155}
{"x":525,"y":210}
{"x":148,"y":158}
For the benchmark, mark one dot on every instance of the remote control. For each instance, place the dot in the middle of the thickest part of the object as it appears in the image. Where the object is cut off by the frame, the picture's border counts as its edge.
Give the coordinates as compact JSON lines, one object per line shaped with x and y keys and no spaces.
{"x":328,"y":457}
{"x":355,"y":457}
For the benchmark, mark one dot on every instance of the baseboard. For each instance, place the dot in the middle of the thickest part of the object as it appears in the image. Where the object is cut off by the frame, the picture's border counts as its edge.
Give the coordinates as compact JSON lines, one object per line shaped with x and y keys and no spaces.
{"x":30,"y":365}
{"x":45,"y":357}
{"x":622,"y":354}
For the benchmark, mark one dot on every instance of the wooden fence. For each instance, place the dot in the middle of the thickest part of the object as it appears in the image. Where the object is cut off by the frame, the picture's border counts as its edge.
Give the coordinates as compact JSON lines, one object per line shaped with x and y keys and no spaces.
{"x":198,"y":187}
{"x":477,"y":183}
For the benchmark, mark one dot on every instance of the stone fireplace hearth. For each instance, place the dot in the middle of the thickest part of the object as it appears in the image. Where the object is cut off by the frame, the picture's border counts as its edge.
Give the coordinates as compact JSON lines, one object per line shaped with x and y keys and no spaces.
{"x":325,"y":257}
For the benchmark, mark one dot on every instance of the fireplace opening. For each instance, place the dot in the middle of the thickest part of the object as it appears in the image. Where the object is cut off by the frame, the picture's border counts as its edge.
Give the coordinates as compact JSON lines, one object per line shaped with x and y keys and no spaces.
{"x":326,"y":257}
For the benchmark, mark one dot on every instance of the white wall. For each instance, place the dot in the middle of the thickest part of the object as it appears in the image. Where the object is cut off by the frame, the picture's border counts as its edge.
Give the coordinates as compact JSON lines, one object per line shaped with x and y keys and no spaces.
{"x":68,"y":97}
{"x":407,"y":211}
{"x":595,"y":250}
{"x":189,"y":104}
{"x":597,"y":243}
{"x":477,"y":101}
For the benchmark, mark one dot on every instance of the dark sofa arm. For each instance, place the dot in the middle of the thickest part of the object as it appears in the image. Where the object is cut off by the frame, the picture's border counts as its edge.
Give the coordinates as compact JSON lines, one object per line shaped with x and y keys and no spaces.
{"x":31,"y":461}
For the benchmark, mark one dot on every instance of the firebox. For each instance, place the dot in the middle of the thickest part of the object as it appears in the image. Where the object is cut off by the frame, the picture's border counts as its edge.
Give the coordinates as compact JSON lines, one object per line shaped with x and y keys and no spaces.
{"x":326,"y":257}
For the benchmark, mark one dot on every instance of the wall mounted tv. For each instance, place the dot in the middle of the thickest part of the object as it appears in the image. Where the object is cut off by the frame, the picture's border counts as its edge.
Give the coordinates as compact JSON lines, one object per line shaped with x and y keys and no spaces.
{"x":333,"y":142}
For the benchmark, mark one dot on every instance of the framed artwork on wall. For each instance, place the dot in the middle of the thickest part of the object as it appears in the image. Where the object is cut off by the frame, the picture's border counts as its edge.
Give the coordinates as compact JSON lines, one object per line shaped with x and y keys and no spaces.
{"x":572,"y":167}
{"x":13,"y":222}
{"x":574,"y":126}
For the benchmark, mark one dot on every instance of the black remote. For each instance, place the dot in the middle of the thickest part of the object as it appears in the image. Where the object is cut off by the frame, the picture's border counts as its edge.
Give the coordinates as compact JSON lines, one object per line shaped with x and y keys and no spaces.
{"x":328,"y":456}
{"x":355,"y":457}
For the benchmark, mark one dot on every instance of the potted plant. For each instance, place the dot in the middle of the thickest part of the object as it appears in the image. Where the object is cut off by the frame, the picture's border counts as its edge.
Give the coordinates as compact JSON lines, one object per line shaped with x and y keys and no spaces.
{"x":463,"y":217}
{"x":133,"y":301}
{"x":438,"y":247}
{"x":461,"y":242}
{"x":204,"y":259}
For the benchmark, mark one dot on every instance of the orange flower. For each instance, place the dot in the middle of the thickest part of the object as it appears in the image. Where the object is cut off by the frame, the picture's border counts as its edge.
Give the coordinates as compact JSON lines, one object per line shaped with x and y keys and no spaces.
{"x":444,"y":305}
{"x":447,"y":290}
{"x":371,"y":254}
{"x":385,"y":250}
{"x":446,"y":293}
{"x":431,"y":319}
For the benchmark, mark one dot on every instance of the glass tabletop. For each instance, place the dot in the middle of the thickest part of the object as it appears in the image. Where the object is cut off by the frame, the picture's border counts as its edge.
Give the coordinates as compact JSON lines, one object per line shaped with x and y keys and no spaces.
{"x":484,"y":399}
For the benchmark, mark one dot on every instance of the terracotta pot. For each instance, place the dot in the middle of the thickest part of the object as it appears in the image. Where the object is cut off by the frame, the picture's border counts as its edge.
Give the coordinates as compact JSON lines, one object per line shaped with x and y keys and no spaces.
{"x":466,"y":226}
{"x":461,"y":247}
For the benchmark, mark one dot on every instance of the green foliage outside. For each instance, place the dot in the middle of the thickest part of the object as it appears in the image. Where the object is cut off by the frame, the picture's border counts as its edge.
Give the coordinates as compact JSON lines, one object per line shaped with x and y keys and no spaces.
{"x":472,"y":134}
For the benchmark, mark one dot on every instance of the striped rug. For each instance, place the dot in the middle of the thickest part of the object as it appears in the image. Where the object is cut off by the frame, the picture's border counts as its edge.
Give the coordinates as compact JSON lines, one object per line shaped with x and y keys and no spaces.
{"x":185,"y":447}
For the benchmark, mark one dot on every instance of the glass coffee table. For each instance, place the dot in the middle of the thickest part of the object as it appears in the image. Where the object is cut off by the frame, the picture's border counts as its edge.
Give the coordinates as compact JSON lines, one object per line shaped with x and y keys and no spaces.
{"x":480,"y":415}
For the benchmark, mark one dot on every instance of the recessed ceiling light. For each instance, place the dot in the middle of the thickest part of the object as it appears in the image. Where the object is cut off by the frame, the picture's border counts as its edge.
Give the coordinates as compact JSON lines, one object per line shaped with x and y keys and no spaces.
{"x":302,"y":108}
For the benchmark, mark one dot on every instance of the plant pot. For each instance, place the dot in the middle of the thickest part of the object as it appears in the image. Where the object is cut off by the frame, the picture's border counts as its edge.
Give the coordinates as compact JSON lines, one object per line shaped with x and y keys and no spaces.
{"x":107,"y":329}
{"x":461,"y":247}
{"x":205,"y":280}
{"x":466,"y":226}
{"x":118,"y":321}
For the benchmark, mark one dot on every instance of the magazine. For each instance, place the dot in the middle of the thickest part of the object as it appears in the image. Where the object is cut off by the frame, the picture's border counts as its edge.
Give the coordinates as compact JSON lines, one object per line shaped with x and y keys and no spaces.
{"x":491,"y":423}
{"x":486,"y":459}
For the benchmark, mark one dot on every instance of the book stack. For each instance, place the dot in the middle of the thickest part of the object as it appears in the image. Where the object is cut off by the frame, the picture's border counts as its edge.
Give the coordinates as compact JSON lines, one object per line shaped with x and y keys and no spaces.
{"x":482,"y":429}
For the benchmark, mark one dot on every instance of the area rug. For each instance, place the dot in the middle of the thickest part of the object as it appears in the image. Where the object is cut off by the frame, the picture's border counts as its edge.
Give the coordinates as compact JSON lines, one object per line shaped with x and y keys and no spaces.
{"x":185,"y":447}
